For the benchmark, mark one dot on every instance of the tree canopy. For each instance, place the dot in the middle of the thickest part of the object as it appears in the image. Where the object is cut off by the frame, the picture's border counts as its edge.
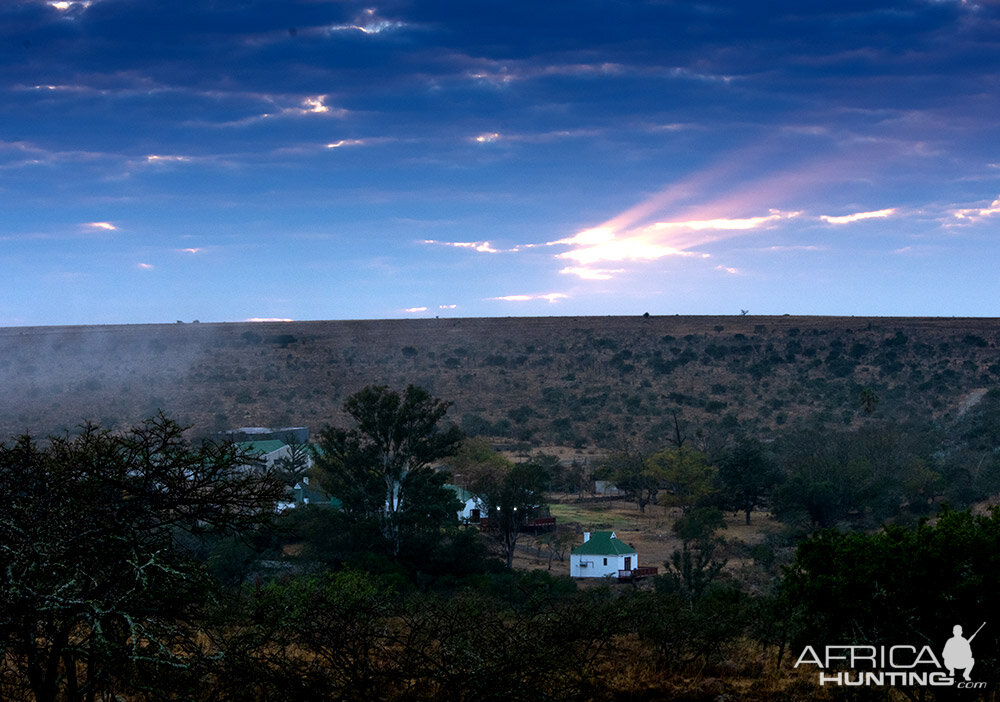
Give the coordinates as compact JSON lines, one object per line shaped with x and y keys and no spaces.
{"x":97,"y":587}
{"x":380,"y":468}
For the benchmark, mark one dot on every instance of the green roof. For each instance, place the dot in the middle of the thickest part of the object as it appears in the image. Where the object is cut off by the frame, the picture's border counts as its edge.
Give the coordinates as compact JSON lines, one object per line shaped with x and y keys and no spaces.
{"x":261,"y":447}
{"x":463,"y":494}
{"x":603,"y":543}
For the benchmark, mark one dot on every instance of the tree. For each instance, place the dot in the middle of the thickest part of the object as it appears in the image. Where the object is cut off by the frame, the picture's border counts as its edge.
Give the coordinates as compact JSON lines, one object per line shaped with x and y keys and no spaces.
{"x":293,"y":467}
{"x":633,"y":475}
{"x":475,"y":460}
{"x":558,"y":542}
{"x":690,"y":572}
{"x":864,"y":476}
{"x":899,"y":585}
{"x":747,"y":474}
{"x":326,"y":636}
{"x":868,"y":399}
{"x":380,"y":469}
{"x":687,"y":474}
{"x":511,"y":497}
{"x":98,"y":592}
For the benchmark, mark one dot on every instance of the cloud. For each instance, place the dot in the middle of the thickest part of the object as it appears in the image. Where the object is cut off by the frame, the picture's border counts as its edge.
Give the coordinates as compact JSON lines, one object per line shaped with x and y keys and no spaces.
{"x":157,"y":158}
{"x":857,"y":216}
{"x":447,"y":307}
{"x":796,"y":247}
{"x":543,"y":137}
{"x":592,"y":273}
{"x":368,"y":22}
{"x":480,"y":246}
{"x":976,"y":213}
{"x":191,"y":250}
{"x":145,"y":266}
{"x":71,"y":9}
{"x":415,"y":309}
{"x":658,"y":240}
{"x":345,"y":142}
{"x":309,"y":105}
{"x":548,"y":297}
{"x":106,"y":226}
{"x":728,"y":269}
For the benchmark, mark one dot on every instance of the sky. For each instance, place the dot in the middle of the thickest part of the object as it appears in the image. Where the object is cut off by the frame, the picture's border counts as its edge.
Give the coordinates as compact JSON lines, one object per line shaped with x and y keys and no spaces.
{"x":230,"y":160}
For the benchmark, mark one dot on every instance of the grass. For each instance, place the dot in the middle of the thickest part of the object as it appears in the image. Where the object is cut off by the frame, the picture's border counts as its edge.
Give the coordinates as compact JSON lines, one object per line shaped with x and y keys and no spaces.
{"x":606,"y":515}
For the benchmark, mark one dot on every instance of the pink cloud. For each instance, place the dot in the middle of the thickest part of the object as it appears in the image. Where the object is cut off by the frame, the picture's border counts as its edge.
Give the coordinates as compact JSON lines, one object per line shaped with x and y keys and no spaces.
{"x":657,"y":240}
{"x":975,"y":213}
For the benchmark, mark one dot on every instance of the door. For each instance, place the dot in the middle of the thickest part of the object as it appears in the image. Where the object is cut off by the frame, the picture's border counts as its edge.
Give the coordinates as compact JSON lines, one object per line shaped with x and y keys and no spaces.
{"x":628,"y":562}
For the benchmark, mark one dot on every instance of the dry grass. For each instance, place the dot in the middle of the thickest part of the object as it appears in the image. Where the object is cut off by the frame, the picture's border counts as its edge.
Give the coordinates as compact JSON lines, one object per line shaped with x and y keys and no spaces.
{"x":649,"y":532}
{"x":603,"y":374}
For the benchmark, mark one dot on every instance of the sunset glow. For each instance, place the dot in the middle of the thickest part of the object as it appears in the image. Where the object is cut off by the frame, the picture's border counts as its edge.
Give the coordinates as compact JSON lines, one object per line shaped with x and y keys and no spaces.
{"x":329,"y":160}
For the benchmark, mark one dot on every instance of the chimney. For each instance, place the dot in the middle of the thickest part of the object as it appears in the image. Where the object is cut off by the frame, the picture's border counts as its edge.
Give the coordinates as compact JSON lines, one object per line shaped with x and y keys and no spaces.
{"x":586,"y":536}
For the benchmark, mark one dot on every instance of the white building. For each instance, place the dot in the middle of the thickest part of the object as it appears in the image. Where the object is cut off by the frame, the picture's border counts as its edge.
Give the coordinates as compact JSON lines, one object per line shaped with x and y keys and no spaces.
{"x":601,"y":555}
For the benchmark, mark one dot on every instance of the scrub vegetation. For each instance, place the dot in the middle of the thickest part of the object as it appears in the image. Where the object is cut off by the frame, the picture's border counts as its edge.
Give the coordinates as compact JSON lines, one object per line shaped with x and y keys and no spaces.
{"x":143,"y":562}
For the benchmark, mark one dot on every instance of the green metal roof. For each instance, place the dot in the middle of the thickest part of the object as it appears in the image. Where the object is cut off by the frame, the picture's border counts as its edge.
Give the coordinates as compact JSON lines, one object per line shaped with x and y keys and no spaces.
{"x":463,"y":494}
{"x":603,"y":543}
{"x":261,"y":447}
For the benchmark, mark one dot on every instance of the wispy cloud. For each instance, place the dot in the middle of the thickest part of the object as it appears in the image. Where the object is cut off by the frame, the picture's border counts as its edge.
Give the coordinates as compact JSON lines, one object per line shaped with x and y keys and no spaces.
{"x":796,"y":247}
{"x":413,"y":310}
{"x":480,"y":246}
{"x":167,"y":158}
{"x":345,"y":142}
{"x":191,"y":250}
{"x":368,"y":22}
{"x":309,"y":105}
{"x":976,"y":213}
{"x":145,"y":266}
{"x":532,"y":138}
{"x":592,"y":273}
{"x":106,"y":226}
{"x":548,"y":297}
{"x":500,"y":73}
{"x":858,"y":216}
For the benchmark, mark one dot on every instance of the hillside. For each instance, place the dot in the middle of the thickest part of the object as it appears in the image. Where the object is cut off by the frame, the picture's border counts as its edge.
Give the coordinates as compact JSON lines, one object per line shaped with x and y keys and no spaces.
{"x":574,"y":381}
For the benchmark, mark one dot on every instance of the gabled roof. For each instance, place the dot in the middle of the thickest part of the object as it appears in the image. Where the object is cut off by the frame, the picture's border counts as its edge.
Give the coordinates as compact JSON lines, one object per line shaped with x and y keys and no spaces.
{"x":462,"y":494}
{"x":261,"y":447}
{"x":603,"y":543}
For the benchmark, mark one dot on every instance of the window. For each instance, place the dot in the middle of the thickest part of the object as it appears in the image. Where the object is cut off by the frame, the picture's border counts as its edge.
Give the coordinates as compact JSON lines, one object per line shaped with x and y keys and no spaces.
{"x":605,"y":561}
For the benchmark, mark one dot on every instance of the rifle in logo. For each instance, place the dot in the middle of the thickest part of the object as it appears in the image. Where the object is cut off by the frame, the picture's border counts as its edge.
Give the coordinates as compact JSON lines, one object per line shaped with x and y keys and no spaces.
{"x":958,"y":653}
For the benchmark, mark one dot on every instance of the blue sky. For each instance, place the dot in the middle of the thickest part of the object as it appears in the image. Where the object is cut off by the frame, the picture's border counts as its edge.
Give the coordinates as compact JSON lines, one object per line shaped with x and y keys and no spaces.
{"x":327,"y":159}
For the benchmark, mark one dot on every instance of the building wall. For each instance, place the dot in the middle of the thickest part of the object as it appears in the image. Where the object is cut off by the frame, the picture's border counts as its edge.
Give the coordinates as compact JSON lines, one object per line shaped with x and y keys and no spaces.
{"x":593,"y":566}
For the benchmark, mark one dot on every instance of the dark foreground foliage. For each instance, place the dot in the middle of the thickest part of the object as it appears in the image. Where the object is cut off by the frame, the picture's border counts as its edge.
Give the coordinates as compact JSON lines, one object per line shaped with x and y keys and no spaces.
{"x":136,"y":566}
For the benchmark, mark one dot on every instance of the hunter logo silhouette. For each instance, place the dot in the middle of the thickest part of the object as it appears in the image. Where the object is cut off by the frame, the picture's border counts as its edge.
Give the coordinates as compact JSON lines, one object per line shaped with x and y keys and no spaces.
{"x":958,"y":653}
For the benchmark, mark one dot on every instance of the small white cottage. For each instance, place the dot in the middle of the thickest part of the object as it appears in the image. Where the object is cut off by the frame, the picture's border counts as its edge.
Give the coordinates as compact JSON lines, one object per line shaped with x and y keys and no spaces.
{"x":601,"y":555}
